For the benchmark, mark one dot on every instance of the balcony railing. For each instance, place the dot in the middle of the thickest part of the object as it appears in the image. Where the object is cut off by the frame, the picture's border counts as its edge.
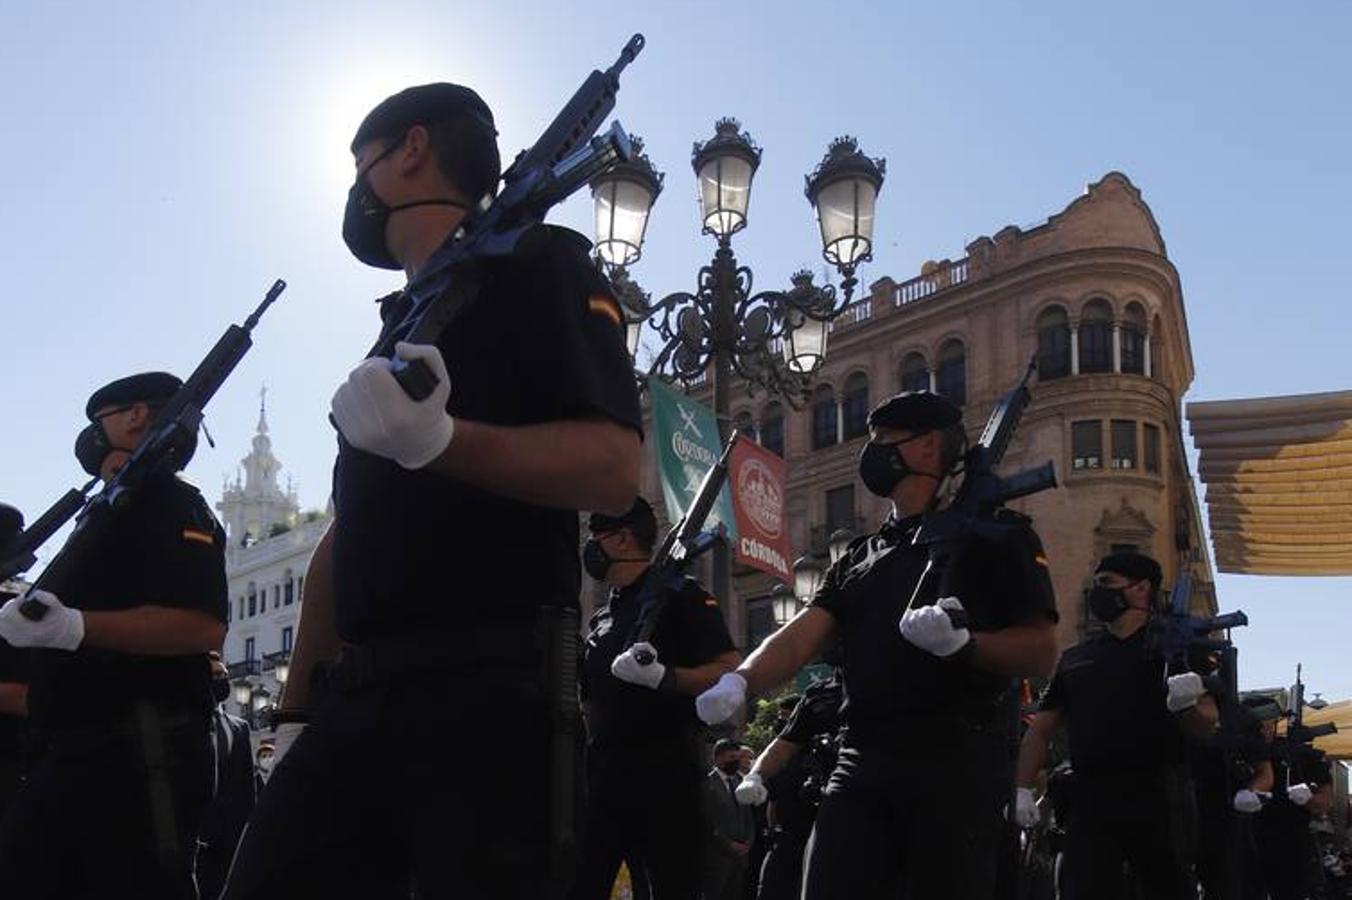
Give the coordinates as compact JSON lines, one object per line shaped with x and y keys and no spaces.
{"x":930,"y":283}
{"x":819,"y":538}
{"x":244,"y":667}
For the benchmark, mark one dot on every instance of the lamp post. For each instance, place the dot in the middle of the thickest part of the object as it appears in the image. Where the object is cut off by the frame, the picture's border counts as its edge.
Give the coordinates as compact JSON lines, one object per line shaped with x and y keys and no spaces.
{"x":783,"y":604}
{"x":774,"y":340}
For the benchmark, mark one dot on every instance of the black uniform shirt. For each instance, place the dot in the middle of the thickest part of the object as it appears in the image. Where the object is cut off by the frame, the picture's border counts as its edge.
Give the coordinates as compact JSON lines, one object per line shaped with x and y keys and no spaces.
{"x":691,"y":632}
{"x":13,"y":670}
{"x":1225,"y":762}
{"x":167,"y":549}
{"x":817,"y":714}
{"x":888,"y":679}
{"x":1293,"y":763}
{"x":1112,"y":693}
{"x":416,"y":550}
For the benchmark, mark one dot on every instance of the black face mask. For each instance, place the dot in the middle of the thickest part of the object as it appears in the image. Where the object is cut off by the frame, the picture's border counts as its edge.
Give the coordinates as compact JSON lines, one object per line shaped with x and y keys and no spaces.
{"x":366,"y":216}
{"x":92,"y":448}
{"x":595,"y":560}
{"x":1107,"y":603}
{"x":882,"y":468}
{"x":220,"y":689}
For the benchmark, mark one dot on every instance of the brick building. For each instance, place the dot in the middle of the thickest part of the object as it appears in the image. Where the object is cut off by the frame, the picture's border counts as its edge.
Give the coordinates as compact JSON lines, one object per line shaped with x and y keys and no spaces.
{"x":1093,"y":294}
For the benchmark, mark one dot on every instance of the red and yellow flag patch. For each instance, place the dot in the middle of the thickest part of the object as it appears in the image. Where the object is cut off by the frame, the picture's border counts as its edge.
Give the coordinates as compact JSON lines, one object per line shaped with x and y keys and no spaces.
{"x":192,"y":534}
{"x":606,"y":305}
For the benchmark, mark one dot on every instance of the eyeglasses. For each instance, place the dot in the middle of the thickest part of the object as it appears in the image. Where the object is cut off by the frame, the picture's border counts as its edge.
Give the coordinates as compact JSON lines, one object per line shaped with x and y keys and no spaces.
{"x":116,"y":410}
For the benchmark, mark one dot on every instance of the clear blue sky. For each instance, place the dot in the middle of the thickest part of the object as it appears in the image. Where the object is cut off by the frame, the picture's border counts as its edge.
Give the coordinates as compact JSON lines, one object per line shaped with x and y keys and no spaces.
{"x":165,"y":161}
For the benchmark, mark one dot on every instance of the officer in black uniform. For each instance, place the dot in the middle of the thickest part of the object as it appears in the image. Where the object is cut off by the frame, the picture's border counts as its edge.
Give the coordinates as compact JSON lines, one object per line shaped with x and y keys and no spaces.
{"x":1288,"y":864}
{"x":13,"y":714}
{"x":120,"y":693}
{"x":1127,"y":719}
{"x":1232,"y":773}
{"x":790,"y":774}
{"x":915,"y":799}
{"x":643,"y":759}
{"x":449,"y":578}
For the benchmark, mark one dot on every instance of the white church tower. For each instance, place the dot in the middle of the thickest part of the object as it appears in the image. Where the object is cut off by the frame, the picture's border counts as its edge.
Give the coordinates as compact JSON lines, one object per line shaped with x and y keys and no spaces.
{"x":255,"y":507}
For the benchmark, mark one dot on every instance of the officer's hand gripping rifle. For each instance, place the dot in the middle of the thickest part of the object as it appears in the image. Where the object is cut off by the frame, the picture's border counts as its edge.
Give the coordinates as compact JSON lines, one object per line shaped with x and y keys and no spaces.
{"x":1296,"y":729}
{"x":563,"y":159}
{"x":683,"y":544}
{"x":972,"y":512}
{"x":162,"y":449}
{"x":1177,"y":635}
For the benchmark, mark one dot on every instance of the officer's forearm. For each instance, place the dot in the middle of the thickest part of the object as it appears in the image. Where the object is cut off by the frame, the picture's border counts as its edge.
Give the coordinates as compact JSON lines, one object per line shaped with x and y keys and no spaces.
{"x":316,"y":634}
{"x":13,"y":698}
{"x":1019,"y":652}
{"x":153,"y":631}
{"x":775,"y":757}
{"x":589,"y":464}
{"x":1262,"y":778}
{"x":1033,"y":748}
{"x":698,"y":679}
{"x":787,"y":650}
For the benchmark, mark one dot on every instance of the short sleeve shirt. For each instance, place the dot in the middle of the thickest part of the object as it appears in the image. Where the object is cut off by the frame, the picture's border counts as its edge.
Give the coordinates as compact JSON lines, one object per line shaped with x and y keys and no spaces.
{"x":414,"y":550}
{"x":690,"y":633}
{"x":13,"y":670}
{"x":167,"y":549}
{"x":886,"y":678}
{"x":1112,"y":693}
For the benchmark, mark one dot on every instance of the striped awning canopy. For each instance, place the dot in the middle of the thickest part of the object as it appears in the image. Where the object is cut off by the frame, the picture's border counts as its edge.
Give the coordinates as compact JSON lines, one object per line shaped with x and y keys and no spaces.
{"x":1339,"y":745}
{"x":1278,"y":475}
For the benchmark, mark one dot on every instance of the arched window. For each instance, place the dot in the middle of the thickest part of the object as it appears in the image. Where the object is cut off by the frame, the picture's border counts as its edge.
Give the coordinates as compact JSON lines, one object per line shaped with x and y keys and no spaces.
{"x":1053,"y":344}
{"x":950,"y":377}
{"x":915,"y":373}
{"x":824,"y":424}
{"x":744,"y":425}
{"x":1133,"y":340}
{"x":772,"y":428}
{"x":1096,"y":337}
{"x":855,"y":406}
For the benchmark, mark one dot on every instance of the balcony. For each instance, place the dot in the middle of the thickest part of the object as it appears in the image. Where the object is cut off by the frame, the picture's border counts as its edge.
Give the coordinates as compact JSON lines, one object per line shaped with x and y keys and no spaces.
{"x":943,"y":275}
{"x":819,"y":538}
{"x":244,"y":667}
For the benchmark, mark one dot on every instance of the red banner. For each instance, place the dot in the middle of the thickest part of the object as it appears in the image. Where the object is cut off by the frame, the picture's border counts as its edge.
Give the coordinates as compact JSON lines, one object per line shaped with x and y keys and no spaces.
{"x":758,"y":479}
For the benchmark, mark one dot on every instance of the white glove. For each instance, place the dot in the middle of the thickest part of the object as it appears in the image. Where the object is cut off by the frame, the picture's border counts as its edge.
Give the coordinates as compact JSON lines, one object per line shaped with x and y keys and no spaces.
{"x":930,"y":628}
{"x":1184,"y":691}
{"x":1026,"y":813}
{"x":626,"y":667}
{"x":1299,"y":794}
{"x":374,"y":414}
{"x":1246,"y":801}
{"x":751,"y":791}
{"x":283,"y":736}
{"x":721,"y":702}
{"x":61,"y":628}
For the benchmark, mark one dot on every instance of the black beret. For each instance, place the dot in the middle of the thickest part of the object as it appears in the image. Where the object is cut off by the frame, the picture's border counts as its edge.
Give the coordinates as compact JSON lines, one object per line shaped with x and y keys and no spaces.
{"x":1265,"y":709}
{"x":915,"y":411}
{"x":418,"y":106}
{"x":147,"y":387}
{"x":1132,"y":565}
{"x":640,"y":520}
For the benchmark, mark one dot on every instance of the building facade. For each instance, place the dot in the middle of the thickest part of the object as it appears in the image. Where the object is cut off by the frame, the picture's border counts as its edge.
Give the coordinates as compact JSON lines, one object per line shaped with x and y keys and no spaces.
{"x":1092,"y":295}
{"x":269,"y":543}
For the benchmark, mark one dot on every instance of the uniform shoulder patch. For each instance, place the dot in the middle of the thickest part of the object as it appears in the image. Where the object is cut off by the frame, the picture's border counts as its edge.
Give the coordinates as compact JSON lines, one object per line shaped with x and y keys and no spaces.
{"x":201,"y":537}
{"x":606,"y":306}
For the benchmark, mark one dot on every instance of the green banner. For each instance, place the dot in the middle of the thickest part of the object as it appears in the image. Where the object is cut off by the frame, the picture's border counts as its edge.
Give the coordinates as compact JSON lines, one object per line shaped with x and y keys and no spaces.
{"x":687,"y":448}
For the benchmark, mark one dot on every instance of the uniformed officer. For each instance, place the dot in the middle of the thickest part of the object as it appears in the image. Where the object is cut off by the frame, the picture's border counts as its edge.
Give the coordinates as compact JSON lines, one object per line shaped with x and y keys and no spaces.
{"x":1127,"y":719}
{"x":1288,"y":864}
{"x":451,"y":564}
{"x":1232,"y":773}
{"x":13,"y":713}
{"x":120,"y":691}
{"x":924,"y":766}
{"x":233,"y":789}
{"x":643,"y":757}
{"x":790,"y":774}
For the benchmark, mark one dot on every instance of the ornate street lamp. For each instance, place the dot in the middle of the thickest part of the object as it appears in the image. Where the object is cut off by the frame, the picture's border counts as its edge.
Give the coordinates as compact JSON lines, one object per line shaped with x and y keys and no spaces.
{"x":838,"y":543}
{"x":623,"y":196}
{"x":844,"y":191}
{"x":783,"y":603}
{"x":807,"y":577}
{"x":242,"y":692}
{"x":725,"y":165}
{"x":281,"y":672}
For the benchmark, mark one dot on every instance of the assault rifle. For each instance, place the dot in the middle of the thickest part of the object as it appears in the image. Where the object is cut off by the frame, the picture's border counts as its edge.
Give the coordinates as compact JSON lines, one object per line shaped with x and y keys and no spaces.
{"x":1296,"y":729}
{"x":972,"y":512}
{"x":167,"y":441}
{"x":564,"y":158}
{"x":1178,"y":634}
{"x":685,"y":542}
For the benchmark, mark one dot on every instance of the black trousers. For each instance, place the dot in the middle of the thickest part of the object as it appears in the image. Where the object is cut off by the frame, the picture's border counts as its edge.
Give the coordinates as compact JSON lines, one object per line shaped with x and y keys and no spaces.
{"x":643,"y":808}
{"x":82,"y":824}
{"x":1135,"y":821}
{"x":781,"y":874}
{"x":921,"y":817}
{"x":437,"y":784}
{"x":1287,"y":859}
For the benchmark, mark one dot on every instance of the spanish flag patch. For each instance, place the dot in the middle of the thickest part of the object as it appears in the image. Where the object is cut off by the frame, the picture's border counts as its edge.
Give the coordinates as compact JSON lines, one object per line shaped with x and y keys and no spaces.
{"x":192,"y":534}
{"x":711,"y":600}
{"x":606,"y":305}
{"x":1041,"y":560}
